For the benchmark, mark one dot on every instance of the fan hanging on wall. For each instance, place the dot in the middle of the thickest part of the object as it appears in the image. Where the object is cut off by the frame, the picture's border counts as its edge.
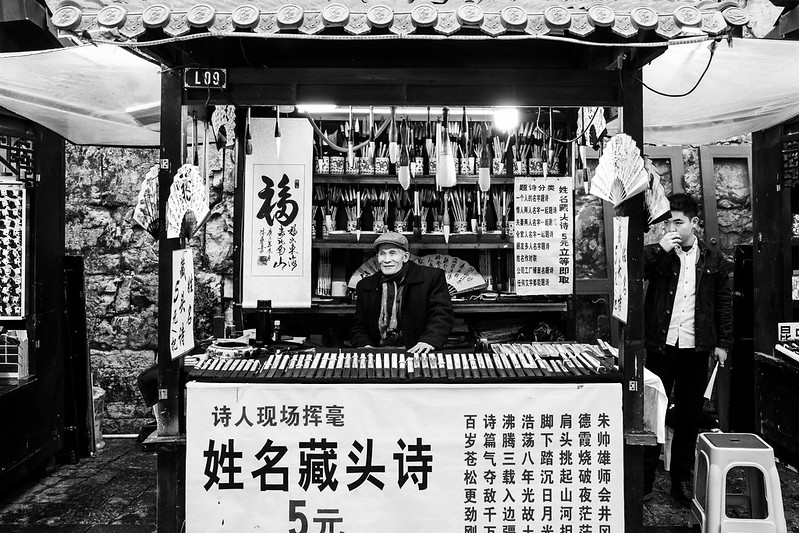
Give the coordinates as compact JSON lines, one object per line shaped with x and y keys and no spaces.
{"x":146,"y":211}
{"x":620,"y":173}
{"x":187,"y":206}
{"x":461,"y":276}
{"x":657,"y":205}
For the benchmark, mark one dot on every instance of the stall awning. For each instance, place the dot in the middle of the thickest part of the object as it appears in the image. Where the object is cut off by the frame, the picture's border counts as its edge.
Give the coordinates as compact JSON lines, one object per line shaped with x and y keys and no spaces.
{"x":655,"y":19}
{"x":100,"y":95}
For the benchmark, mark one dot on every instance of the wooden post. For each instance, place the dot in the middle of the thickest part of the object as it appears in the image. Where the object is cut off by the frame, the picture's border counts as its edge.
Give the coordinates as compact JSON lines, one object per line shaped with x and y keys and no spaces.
{"x":632,"y":354}
{"x":171,"y":456}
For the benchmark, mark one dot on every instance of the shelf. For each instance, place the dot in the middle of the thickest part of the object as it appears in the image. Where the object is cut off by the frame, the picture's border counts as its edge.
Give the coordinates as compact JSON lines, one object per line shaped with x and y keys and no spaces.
{"x":471,"y":241}
{"x":388,"y":179}
{"x":508,"y":305}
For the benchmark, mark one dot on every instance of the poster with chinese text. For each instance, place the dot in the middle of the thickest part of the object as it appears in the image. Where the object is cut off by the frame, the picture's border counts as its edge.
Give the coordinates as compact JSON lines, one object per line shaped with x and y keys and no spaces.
{"x":620,"y":275}
{"x":543,"y":239}
{"x":277,"y":207}
{"x":12,"y":250}
{"x":181,"y":323}
{"x":363,"y":458}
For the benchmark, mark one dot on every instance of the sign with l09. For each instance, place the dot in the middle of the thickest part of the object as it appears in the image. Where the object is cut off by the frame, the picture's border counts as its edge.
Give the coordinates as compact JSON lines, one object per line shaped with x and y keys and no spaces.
{"x":204,"y":78}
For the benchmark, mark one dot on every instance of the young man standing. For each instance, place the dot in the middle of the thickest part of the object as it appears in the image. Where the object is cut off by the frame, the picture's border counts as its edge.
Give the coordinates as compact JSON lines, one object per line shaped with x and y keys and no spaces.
{"x":688,"y":319}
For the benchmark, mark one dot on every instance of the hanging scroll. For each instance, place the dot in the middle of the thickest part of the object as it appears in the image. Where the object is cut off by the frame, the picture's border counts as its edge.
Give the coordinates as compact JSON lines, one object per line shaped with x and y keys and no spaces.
{"x":544,"y":235}
{"x":181,"y":324}
{"x":277,"y":215}
{"x":12,"y":250}
{"x":620,"y":275}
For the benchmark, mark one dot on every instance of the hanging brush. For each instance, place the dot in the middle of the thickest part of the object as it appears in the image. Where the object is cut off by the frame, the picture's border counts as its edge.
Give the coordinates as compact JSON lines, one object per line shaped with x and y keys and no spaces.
{"x":372,"y":134}
{"x":404,"y":170}
{"x":465,"y":134}
{"x":247,"y":134}
{"x":428,"y":142}
{"x":277,"y":131}
{"x":393,"y":149}
{"x":484,"y":170}
{"x":351,"y":141}
{"x":446,"y":175}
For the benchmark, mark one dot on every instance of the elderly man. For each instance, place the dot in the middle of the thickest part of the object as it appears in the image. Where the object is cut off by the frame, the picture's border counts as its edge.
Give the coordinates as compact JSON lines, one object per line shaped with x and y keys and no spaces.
{"x":404,"y":304}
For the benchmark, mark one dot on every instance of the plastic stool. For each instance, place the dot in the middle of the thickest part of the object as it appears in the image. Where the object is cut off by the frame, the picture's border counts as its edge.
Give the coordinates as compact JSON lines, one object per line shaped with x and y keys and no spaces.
{"x":716,"y":455}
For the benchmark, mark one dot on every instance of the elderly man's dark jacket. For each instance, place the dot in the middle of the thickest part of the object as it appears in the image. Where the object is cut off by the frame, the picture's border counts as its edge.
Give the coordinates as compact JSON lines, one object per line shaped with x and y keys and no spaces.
{"x":426,"y":313}
{"x":713,"y":310}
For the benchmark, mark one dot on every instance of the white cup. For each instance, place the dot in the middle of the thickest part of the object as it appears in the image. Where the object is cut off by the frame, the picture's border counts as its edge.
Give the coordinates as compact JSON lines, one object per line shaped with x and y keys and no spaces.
{"x":338,"y":289}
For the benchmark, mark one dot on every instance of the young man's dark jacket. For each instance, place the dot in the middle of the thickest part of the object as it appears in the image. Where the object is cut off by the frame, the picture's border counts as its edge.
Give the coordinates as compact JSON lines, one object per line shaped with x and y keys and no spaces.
{"x":713,"y":312}
{"x":426,"y":314}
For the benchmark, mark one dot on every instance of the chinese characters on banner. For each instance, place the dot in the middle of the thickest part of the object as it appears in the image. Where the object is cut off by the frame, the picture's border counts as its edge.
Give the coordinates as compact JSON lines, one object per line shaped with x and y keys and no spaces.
{"x":12,"y":250}
{"x":620,"y":276}
{"x":544,"y":235}
{"x":358,"y":457}
{"x":181,"y":323}
{"x":276,"y":244}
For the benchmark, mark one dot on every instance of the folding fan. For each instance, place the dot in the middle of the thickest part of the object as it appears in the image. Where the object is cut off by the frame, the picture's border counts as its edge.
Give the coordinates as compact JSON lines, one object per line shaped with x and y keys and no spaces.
{"x":620,"y":173}
{"x":146,"y":211}
{"x":657,"y":204}
{"x":368,"y":268}
{"x":187,"y":206}
{"x":461,"y":276}
{"x":591,"y":121}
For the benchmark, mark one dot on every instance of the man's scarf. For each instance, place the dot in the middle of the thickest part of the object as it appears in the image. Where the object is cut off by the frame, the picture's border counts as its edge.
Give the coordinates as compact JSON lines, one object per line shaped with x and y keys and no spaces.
{"x":390,"y":306}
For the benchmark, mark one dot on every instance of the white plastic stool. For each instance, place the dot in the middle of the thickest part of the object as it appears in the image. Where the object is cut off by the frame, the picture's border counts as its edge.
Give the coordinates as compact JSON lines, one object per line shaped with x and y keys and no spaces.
{"x":716,"y":455}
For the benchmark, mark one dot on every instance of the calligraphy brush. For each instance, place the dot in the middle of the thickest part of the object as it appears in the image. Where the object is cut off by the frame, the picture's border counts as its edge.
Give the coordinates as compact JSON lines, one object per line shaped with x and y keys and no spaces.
{"x":351,"y":141}
{"x":194,"y":139}
{"x":404,"y":171}
{"x":484,"y":170}
{"x":465,"y":134}
{"x":393,"y":149}
{"x":277,"y":131}
{"x":372,"y":134}
{"x":446,"y":175}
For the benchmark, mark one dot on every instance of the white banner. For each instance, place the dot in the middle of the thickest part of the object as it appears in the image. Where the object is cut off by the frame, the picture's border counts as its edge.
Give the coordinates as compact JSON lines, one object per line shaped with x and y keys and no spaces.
{"x":360,"y":458}
{"x":277,"y":207}
{"x":181,"y":324}
{"x":13,"y":227}
{"x":543,"y":239}
{"x":621,"y":280}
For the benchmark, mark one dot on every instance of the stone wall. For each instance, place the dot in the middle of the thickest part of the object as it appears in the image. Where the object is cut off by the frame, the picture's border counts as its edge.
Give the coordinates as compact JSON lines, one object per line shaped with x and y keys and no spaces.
{"x":122,"y":270}
{"x":121,"y":265}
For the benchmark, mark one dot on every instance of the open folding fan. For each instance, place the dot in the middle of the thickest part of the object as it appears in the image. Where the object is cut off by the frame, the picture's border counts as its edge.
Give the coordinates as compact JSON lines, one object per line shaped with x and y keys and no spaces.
{"x":187,"y":206}
{"x":461,"y":276}
{"x":146,"y":211}
{"x":657,"y":205}
{"x":621,"y":173}
{"x":368,"y":268}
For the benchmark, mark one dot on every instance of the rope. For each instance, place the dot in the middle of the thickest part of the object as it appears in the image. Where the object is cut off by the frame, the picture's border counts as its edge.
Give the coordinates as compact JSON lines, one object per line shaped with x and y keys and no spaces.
{"x":380,"y":130}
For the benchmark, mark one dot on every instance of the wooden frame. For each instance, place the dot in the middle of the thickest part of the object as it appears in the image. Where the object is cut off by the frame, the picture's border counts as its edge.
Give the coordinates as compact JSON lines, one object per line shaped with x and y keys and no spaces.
{"x":707,"y":156}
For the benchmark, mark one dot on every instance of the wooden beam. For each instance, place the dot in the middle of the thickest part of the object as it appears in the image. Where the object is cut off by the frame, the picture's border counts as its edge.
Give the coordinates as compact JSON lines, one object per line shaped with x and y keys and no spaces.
{"x":632,"y":354}
{"x":170,"y":499}
{"x":289,"y":86}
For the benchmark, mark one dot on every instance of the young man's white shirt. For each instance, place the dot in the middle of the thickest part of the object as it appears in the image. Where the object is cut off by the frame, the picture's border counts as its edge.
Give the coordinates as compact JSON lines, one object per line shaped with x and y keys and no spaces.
{"x":681,"y":326}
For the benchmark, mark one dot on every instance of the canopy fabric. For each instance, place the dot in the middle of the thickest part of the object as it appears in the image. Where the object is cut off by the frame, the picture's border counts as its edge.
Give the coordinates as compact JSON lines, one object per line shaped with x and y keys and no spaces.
{"x":749,"y":87}
{"x":99,"y":95}
{"x":130,"y":19}
{"x":105,"y":95}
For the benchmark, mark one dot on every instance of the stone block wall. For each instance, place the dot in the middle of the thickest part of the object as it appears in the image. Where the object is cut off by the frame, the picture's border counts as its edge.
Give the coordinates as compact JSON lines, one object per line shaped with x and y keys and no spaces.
{"x":121,"y":265}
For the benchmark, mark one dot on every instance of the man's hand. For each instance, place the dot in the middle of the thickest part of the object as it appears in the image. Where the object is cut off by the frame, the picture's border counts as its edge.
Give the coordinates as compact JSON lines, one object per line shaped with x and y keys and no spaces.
{"x":721,"y":355}
{"x":421,"y":348}
{"x":670,"y":240}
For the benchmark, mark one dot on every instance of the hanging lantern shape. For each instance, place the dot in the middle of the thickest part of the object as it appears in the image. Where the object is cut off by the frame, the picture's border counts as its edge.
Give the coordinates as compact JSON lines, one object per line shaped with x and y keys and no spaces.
{"x":277,"y":131}
{"x":351,"y":141}
{"x":484,"y":169}
{"x":393,"y":148}
{"x":446,"y":175}
{"x":404,"y":165}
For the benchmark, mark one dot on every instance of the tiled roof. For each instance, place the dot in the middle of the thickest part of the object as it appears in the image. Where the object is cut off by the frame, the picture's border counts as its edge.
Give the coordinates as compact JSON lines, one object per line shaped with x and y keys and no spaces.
{"x":129,"y":19}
